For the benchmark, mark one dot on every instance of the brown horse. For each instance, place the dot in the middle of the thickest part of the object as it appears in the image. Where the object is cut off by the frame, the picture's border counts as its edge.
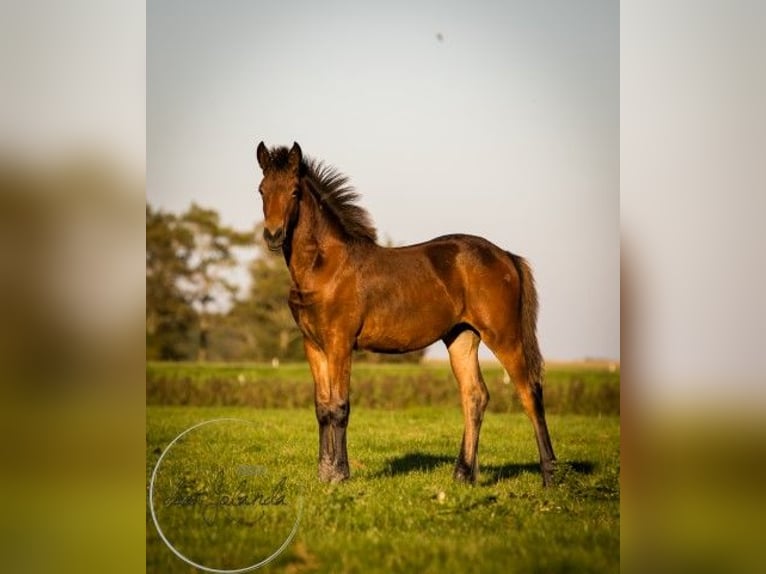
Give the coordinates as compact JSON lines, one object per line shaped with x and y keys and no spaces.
{"x":350,"y":293}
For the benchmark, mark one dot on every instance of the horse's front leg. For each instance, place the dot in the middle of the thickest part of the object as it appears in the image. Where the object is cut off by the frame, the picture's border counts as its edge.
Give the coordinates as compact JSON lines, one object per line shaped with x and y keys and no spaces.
{"x":331,"y":370}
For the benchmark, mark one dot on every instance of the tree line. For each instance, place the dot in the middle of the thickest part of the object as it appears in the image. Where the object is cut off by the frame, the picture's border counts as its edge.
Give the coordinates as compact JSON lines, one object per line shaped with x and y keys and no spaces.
{"x":196,"y":307}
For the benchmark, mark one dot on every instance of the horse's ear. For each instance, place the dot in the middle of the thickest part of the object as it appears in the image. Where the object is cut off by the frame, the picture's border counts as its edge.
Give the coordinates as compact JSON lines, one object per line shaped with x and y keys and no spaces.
{"x":295,"y":157}
{"x":264,"y":158}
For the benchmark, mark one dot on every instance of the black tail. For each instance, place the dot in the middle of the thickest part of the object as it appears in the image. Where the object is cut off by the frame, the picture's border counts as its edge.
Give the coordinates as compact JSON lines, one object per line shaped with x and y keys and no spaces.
{"x":528,"y":312}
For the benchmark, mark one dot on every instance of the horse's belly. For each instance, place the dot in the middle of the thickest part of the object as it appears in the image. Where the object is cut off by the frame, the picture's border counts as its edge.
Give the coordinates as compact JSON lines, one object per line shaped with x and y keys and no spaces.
{"x":402,"y":332}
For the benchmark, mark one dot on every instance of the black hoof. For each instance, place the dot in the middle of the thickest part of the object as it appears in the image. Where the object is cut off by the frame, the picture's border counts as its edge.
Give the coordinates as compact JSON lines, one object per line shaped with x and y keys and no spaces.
{"x":548,"y":470}
{"x":464,"y":474}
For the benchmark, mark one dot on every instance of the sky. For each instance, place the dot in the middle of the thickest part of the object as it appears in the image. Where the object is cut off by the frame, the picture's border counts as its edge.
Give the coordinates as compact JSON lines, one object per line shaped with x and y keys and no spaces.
{"x":498,"y":119}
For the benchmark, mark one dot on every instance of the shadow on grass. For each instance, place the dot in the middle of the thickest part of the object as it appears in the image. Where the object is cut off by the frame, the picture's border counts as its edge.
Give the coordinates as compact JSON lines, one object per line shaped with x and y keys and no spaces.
{"x":413,"y":462}
{"x":489,"y":474}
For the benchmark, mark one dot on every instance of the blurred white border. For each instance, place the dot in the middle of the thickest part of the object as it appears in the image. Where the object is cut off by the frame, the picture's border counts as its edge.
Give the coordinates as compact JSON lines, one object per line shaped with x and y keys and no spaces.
{"x":693,"y":201}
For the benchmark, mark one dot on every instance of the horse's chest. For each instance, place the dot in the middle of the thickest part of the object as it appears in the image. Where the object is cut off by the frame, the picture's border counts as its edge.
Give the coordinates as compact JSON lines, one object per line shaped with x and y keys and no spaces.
{"x":311,"y":312}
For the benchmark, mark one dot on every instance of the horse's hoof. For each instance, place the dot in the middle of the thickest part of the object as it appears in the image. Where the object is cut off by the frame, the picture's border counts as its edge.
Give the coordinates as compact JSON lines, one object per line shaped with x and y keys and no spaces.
{"x":548,"y":470}
{"x":464,"y":474}
{"x":332,"y":474}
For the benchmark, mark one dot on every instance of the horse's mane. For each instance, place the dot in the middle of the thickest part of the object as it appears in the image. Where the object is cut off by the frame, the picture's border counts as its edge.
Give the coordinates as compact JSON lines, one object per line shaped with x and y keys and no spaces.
{"x":335,"y":192}
{"x":340,"y":197}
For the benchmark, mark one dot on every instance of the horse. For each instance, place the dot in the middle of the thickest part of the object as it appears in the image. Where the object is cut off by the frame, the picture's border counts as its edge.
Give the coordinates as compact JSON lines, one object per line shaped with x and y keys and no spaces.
{"x":348,"y":292}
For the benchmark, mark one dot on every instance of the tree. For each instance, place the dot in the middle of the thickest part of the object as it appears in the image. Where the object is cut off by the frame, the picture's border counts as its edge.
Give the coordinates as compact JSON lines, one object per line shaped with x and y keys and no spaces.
{"x":210,"y":260}
{"x":170,"y":317}
{"x":189,"y":259}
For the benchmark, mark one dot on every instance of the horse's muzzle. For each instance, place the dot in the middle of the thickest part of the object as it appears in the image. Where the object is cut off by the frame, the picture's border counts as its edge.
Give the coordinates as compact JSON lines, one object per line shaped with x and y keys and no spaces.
{"x":274,"y":240}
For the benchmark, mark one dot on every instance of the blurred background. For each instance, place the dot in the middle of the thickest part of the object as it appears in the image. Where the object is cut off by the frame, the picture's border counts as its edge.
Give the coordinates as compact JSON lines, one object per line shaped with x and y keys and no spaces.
{"x":72,"y":203}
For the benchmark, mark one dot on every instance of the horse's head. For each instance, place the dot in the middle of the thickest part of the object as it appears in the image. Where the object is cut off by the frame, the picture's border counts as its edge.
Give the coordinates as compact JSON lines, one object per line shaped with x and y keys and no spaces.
{"x":280,"y":191}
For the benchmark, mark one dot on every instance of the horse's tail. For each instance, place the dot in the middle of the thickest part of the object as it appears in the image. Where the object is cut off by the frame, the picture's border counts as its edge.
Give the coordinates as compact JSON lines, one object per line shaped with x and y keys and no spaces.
{"x":528,"y":312}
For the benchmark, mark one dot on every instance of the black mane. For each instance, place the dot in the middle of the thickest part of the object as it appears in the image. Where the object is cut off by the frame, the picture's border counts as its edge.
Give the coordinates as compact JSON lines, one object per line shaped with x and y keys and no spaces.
{"x":340,"y":197}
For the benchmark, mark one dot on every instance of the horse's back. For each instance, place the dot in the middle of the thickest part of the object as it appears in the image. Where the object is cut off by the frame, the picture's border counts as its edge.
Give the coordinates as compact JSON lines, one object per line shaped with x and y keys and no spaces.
{"x":463,"y":261}
{"x":458,"y":264}
{"x":416,"y":294}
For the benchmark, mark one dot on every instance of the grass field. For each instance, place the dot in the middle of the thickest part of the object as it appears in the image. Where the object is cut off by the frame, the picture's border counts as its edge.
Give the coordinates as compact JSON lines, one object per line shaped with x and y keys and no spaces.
{"x":401,"y":510}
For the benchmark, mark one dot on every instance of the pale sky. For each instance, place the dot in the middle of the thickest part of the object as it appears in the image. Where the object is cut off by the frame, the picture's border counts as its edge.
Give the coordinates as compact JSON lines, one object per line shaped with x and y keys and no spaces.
{"x":499,"y":119}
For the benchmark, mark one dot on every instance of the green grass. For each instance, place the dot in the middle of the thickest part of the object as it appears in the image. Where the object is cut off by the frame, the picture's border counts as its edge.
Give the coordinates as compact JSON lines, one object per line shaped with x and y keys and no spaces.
{"x":401,"y":511}
{"x":588,"y":389}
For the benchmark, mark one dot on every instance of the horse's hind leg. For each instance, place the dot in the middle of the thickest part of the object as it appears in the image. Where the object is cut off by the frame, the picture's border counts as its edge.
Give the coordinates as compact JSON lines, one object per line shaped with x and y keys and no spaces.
{"x":463,"y":350}
{"x":531,"y":394}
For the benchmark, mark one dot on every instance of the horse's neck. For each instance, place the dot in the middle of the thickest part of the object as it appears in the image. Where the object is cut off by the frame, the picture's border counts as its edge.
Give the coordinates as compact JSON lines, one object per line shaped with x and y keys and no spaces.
{"x":314,"y":237}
